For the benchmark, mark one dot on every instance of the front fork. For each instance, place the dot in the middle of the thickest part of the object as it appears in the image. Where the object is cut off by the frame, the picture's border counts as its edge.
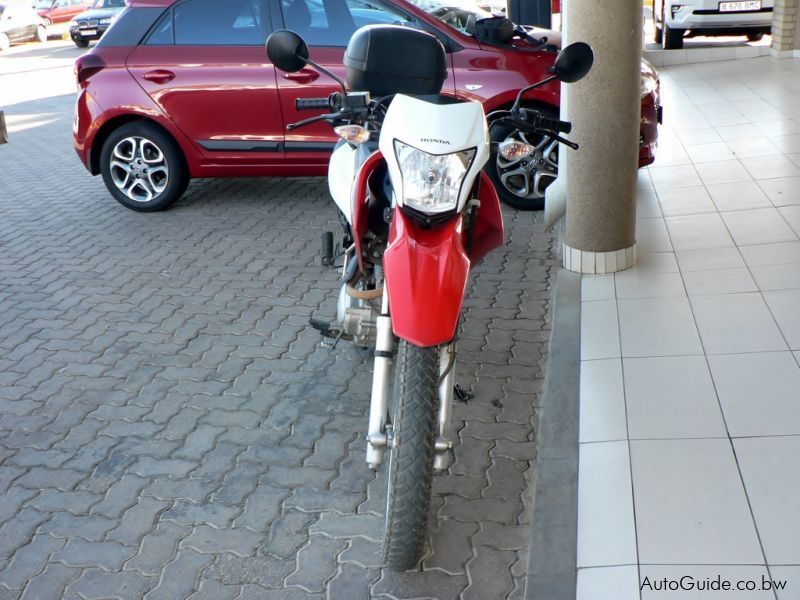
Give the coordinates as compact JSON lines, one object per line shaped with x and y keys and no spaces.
{"x":377,"y":439}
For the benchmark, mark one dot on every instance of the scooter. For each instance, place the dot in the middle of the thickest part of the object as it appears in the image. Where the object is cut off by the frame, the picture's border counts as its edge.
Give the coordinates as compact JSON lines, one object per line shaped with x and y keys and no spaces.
{"x":417,"y":212}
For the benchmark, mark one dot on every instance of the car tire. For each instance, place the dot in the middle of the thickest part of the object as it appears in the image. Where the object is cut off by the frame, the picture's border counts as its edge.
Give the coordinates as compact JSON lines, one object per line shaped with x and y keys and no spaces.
{"x":143,"y":167}
{"x":41,"y":34}
{"x":496,"y":170}
{"x":5,"y":43}
{"x":673,"y":38}
{"x":81,"y":43}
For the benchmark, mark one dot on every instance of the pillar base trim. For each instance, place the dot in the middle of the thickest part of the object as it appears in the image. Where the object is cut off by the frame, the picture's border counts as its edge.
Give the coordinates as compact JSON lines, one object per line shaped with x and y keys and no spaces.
{"x":582,"y":261}
{"x":785,"y":53}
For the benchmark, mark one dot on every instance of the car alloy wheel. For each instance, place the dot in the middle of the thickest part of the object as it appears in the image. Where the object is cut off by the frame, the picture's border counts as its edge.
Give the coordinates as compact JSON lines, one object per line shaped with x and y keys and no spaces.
{"x":528,"y":177}
{"x":139,"y":169}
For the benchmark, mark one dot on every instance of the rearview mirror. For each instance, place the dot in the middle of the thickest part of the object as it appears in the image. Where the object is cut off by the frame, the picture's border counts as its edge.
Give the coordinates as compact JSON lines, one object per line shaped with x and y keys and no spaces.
{"x":573,"y":62}
{"x":287,"y":50}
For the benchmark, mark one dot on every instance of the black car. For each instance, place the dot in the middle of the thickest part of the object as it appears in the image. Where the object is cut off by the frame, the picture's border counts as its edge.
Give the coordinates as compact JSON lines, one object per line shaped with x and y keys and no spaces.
{"x":19,"y":23}
{"x":92,"y":24}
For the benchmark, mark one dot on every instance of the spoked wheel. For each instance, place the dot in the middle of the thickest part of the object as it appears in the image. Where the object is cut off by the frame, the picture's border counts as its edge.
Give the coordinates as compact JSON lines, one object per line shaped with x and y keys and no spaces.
{"x":412,"y":433}
{"x":522,"y":182}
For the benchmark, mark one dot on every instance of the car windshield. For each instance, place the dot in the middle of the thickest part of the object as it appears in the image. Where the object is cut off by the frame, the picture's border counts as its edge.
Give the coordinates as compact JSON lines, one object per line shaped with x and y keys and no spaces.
{"x":43,"y":4}
{"x":454,"y":13}
{"x":108,"y":4}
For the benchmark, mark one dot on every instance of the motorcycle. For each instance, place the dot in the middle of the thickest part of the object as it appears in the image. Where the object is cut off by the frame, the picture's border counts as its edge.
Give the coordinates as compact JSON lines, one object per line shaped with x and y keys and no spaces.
{"x":417,"y":212}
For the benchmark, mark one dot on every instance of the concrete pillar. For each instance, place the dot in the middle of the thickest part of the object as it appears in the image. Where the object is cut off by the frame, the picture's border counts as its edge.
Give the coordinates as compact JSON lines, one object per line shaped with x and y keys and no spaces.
{"x":785,"y":30}
{"x":605,"y":108}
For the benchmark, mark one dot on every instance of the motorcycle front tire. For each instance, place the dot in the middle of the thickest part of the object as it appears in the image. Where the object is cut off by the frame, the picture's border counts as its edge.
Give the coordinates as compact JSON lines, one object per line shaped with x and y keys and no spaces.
{"x":415,"y":404}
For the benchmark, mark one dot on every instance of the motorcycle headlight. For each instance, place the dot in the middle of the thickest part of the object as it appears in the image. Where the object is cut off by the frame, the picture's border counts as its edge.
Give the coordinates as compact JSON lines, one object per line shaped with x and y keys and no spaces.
{"x":432,"y":182}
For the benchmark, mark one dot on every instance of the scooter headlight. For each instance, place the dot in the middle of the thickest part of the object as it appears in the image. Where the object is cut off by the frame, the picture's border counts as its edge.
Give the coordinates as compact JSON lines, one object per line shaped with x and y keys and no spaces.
{"x":432,"y":182}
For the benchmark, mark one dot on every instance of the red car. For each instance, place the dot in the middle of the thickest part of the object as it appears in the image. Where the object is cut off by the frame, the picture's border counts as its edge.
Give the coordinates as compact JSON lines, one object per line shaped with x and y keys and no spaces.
{"x":183,"y":89}
{"x":60,"y":11}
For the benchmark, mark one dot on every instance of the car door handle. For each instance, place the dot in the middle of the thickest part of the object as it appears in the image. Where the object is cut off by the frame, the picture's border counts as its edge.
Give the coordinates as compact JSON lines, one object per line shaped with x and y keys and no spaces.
{"x":159,"y":76}
{"x":304,"y":76}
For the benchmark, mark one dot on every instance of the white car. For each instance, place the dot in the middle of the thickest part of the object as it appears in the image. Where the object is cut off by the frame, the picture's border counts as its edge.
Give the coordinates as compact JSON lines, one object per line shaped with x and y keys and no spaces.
{"x":676,"y":18}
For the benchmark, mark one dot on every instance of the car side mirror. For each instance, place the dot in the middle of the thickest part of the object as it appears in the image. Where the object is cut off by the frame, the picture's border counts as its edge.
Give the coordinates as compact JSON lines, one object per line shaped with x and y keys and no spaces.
{"x":573,"y":62}
{"x":287,"y":50}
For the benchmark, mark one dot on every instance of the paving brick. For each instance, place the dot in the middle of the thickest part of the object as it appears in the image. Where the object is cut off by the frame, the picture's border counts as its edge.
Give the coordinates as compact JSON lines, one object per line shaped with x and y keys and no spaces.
{"x":81,"y":553}
{"x":90,"y":527}
{"x":413,"y":584}
{"x":137,"y":521}
{"x":95,"y":584}
{"x":265,"y":571}
{"x":19,"y":530}
{"x":452,"y":546}
{"x":50,"y":583}
{"x":489,"y":575}
{"x":28,"y":561}
{"x":180,"y":576}
{"x":209,"y":589}
{"x":363,"y":553}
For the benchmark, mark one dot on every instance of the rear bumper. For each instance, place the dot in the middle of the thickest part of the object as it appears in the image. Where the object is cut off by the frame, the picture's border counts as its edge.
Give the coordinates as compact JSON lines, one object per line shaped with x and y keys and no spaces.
{"x":692,"y":17}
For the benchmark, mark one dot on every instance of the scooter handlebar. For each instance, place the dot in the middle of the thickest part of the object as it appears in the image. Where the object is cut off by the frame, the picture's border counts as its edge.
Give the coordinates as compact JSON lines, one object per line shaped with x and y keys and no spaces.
{"x":312,"y":104}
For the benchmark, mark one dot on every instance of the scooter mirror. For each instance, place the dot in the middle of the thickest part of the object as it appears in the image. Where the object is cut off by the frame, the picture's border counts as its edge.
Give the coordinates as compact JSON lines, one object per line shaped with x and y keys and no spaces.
{"x":287,"y":50}
{"x":573,"y":62}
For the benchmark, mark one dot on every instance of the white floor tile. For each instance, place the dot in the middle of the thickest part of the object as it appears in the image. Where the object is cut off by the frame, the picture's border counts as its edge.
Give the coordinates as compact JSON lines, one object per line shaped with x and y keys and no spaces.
{"x":685,"y":201}
{"x":791,"y":577}
{"x":719,"y":281}
{"x":738,"y":196}
{"x":700,"y":136}
{"x":671,"y":397}
{"x":710,"y":259}
{"x":785,"y":307}
{"x":639,"y":283}
{"x":652,"y":236}
{"x":778,"y":128}
{"x":599,"y":330}
{"x":753,"y":148}
{"x":789,"y":144}
{"x":647,"y":206}
{"x":697,"y":232}
{"x":726,"y":171}
{"x":771,"y":167}
{"x":674,"y":176}
{"x":792,"y":216}
{"x":606,"y":533}
{"x":597,"y":287}
{"x":736,"y":133}
{"x":697,"y":574}
{"x":771,"y":254}
{"x":657,"y":327}
{"x":734,"y":323}
{"x":602,"y":414}
{"x":662,"y":262}
{"x":709,"y":152}
{"x":784,"y":191}
{"x":758,"y":393}
{"x":760,"y":226}
{"x":608,"y":583}
{"x":777,"y":277}
{"x":690,"y":505}
{"x":772,"y":480}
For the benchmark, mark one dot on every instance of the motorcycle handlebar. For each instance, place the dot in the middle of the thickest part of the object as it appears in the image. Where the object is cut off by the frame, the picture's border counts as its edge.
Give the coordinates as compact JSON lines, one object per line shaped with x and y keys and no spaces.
{"x":555,"y":125}
{"x":313,"y":104}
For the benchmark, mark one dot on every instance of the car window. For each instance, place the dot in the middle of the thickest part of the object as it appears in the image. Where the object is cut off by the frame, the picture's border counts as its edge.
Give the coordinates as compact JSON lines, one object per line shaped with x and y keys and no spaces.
{"x":457,"y":15}
{"x":214,"y":23}
{"x":108,"y":4}
{"x":332,"y":22}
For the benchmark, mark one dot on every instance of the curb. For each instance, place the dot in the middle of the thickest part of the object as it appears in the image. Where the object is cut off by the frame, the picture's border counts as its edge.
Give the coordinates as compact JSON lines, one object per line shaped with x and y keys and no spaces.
{"x":554,"y":537}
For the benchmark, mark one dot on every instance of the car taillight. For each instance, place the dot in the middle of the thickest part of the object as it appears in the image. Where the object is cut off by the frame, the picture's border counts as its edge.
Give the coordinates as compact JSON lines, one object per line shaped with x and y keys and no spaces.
{"x":86,"y":66}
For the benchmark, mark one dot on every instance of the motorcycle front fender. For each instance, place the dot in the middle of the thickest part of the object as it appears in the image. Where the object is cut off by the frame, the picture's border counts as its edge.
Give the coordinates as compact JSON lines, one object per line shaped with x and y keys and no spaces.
{"x":426,"y":272}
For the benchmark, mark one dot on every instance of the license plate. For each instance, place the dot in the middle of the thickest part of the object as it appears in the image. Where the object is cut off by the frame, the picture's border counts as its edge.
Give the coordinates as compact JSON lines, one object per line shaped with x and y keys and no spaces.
{"x":740,"y":6}
{"x":88,"y":32}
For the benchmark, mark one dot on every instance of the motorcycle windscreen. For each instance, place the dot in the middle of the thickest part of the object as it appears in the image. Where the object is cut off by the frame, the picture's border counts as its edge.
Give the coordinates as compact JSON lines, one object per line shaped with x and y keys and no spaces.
{"x":426,"y":272}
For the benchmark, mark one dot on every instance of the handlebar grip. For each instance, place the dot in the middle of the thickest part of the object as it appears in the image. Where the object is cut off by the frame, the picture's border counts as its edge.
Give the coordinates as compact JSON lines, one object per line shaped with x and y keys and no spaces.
{"x":312,"y":103}
{"x":555,"y":125}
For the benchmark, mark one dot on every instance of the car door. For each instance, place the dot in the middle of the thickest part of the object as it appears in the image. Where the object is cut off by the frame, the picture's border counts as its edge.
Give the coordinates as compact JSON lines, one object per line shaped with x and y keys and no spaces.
{"x":12,"y":24}
{"x":205,"y":66}
{"x":326,"y":26}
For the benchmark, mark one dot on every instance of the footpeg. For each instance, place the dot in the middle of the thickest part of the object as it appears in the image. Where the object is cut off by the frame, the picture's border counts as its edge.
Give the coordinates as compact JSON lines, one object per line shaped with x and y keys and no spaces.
{"x":326,"y":253}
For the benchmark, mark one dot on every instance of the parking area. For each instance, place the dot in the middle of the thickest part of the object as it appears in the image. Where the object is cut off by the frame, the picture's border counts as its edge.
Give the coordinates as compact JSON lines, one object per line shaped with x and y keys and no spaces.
{"x":170,"y":426}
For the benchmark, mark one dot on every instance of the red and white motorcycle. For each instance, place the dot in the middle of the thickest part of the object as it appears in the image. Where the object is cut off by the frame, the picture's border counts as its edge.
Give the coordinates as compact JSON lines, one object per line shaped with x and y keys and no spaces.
{"x":417,"y":212}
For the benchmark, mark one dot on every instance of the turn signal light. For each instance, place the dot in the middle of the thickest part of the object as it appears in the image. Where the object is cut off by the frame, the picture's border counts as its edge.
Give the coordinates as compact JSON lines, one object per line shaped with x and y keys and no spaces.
{"x":514,"y":150}
{"x":352,"y":134}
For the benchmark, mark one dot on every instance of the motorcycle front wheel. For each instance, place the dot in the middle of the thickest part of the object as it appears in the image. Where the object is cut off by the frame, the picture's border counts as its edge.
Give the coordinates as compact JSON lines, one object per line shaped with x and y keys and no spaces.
{"x":413,"y":430}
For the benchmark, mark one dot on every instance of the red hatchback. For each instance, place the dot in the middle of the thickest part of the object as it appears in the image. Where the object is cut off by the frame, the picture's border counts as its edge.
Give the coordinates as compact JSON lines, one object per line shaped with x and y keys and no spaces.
{"x":182,"y":89}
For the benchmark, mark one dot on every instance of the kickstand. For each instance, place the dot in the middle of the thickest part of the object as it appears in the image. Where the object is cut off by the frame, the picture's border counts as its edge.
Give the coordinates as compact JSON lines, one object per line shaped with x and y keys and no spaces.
{"x":461,"y":394}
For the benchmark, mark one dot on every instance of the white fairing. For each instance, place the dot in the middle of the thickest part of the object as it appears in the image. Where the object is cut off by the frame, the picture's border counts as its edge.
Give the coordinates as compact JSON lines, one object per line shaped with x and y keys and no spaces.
{"x":436,"y":129}
{"x":341,"y":173}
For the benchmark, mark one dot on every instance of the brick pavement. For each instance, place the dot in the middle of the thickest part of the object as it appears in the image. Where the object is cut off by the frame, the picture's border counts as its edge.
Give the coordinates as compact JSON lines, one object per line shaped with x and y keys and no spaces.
{"x":170,"y":426}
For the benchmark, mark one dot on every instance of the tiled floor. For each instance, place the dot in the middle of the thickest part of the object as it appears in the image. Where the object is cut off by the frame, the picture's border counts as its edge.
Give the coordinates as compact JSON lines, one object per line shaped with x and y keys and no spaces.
{"x":690,"y":376}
